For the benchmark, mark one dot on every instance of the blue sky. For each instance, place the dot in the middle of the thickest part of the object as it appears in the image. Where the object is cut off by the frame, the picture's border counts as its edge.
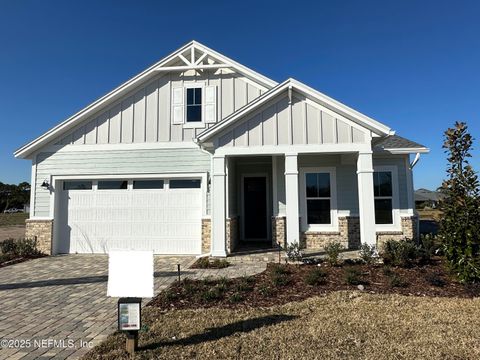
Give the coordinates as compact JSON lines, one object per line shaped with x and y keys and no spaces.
{"x":413,"y":65}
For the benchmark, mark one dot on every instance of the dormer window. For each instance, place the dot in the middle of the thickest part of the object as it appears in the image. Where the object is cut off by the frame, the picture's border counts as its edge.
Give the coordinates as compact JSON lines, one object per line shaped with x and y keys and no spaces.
{"x":194,"y":105}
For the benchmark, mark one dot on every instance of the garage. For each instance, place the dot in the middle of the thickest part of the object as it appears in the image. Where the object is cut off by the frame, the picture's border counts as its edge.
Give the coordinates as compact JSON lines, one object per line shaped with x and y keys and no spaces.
{"x":163,"y":215}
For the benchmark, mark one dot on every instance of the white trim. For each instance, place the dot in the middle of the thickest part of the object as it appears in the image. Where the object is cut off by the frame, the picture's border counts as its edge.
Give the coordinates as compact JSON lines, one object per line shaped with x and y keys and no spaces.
{"x":27,"y":149}
{"x":40,"y":218}
{"x":410,"y":189}
{"x":275,"y":207}
{"x":333,"y":226}
{"x":400,"y":151}
{"x":242,"y":205}
{"x":397,"y":225}
{"x":297,"y":149}
{"x":33,"y":186}
{"x":134,"y":146}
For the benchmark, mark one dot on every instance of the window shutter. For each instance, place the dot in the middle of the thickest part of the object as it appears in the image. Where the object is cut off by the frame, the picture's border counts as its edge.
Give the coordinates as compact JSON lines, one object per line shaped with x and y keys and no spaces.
{"x":178,"y":108}
{"x":210,"y":104}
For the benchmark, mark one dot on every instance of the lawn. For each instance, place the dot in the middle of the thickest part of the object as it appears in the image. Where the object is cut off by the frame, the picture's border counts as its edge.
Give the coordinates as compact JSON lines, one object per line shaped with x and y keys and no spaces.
{"x":342,"y":324}
{"x":13,"y":219}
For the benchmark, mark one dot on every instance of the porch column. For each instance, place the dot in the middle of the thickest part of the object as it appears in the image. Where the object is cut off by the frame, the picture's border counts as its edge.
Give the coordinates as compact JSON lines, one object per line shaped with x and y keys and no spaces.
{"x":291,"y":198}
{"x":366,"y":204}
{"x":218,"y":207}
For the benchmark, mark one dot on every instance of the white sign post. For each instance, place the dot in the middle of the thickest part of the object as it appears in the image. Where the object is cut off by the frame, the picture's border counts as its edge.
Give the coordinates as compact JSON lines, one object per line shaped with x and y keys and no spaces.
{"x":130,"y":277}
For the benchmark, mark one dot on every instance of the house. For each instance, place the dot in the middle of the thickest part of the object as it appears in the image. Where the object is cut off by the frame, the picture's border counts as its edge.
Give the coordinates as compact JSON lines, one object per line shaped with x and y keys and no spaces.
{"x":200,"y":154}
{"x":427,"y":198}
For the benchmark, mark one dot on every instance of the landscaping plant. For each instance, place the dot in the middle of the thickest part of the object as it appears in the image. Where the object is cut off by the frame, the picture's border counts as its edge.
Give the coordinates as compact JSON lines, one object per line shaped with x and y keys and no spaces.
{"x":316,"y":277}
{"x":399,"y":253}
{"x":460,"y":224}
{"x":368,"y":253}
{"x":294,"y":252}
{"x":333,"y":250}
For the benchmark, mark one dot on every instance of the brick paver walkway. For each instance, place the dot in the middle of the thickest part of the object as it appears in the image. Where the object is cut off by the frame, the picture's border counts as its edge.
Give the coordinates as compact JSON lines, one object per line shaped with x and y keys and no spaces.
{"x":63,"y":299}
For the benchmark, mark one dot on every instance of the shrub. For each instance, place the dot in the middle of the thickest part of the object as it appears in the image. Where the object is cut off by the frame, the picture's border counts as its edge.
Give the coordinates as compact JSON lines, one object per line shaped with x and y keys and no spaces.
{"x":427,"y":247}
{"x":19,"y":247}
{"x":399,"y":253}
{"x":460,"y":225}
{"x":207,"y":263}
{"x":280,"y":279}
{"x":333,"y":249}
{"x":316,"y":277}
{"x":436,"y":280}
{"x":368,"y":253}
{"x":245,"y":284}
{"x":353,"y":276}
{"x":265,"y":290}
{"x":294,"y":252}
{"x":278,"y":269}
{"x":236,"y":297}
{"x":212,"y":294}
{"x":396,"y":280}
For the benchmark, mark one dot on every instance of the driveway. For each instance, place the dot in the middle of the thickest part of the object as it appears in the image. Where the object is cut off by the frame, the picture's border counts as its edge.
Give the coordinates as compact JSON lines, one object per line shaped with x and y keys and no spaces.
{"x":56,"y":307}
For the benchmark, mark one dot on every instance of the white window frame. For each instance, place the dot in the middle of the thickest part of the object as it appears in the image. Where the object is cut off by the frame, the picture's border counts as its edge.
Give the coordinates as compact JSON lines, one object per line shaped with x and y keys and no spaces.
{"x":333,"y":226}
{"x":194,"y":124}
{"x":396,"y":225}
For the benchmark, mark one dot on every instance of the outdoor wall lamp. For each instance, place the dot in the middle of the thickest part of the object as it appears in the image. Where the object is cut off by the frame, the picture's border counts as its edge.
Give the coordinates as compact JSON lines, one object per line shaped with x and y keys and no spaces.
{"x":45,"y":184}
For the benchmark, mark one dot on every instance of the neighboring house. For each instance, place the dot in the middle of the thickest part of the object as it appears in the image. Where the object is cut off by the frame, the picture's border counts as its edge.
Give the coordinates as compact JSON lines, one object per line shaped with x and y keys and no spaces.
{"x":199,"y":154}
{"x":427,"y":198}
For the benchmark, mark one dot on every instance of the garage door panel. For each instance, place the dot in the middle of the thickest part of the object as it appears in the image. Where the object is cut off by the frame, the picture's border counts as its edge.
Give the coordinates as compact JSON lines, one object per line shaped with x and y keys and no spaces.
{"x":167,"y":221}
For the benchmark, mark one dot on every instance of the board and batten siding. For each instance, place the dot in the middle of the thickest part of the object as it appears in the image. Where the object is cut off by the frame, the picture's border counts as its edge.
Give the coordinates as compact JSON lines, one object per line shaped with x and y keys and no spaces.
{"x":114,"y":162}
{"x":145,"y":116}
{"x":311,"y":123}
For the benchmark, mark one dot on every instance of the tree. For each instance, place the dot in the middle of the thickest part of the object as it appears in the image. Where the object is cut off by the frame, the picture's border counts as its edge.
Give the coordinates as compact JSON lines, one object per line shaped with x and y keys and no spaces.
{"x":460,"y":224}
{"x":14,"y":195}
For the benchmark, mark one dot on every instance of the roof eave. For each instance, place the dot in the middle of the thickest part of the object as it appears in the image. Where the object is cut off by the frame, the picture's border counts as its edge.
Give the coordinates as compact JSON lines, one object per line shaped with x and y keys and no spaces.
{"x":400,"y":151}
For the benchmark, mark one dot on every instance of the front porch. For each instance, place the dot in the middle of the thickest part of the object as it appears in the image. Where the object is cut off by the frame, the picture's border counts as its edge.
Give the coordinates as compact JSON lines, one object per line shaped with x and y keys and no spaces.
{"x":272,"y":200}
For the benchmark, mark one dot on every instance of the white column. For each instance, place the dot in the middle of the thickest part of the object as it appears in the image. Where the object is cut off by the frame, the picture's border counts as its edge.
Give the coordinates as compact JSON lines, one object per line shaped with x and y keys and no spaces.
{"x":291,"y":197}
{"x":218,"y":207}
{"x":366,"y":204}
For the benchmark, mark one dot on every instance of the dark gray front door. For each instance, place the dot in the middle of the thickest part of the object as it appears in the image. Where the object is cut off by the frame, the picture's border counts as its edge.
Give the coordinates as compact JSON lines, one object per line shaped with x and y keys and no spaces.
{"x":255,"y":207}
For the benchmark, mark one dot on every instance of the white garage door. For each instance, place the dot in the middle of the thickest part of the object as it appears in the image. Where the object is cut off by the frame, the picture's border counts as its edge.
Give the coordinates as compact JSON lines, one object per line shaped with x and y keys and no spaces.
{"x":163,"y":215}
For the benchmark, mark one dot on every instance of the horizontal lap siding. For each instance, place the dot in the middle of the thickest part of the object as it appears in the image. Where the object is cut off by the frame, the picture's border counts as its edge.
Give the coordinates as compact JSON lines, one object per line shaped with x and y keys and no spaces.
{"x":112,"y":162}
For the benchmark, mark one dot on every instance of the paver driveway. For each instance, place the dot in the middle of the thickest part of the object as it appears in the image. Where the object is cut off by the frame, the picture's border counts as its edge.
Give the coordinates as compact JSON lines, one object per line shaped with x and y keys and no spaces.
{"x":63,"y":299}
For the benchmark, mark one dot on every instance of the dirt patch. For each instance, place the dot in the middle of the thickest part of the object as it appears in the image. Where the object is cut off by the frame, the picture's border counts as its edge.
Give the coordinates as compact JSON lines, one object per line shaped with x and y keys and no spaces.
{"x":281,"y":284}
{"x":14,"y":232}
{"x":340,"y":325}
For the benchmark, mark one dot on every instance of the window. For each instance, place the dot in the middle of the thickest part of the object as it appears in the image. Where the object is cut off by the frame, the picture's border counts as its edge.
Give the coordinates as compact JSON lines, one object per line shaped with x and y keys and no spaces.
{"x":194,"y":104}
{"x":148,"y":184}
{"x":77,"y":185}
{"x":318,"y":198}
{"x":184,"y":184}
{"x":383,"y":193}
{"x":112,"y":184}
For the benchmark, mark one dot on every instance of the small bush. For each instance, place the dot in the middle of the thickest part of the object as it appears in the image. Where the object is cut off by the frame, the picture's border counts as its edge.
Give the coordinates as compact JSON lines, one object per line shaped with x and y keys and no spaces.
{"x":207,"y":263}
{"x":368,"y":253}
{"x":333,"y":250}
{"x":236,"y":297}
{"x":280,"y":279}
{"x":294,"y":252}
{"x":265,"y":291}
{"x":399,"y":253}
{"x":212,"y":294}
{"x":427,"y":247}
{"x":396,"y":280}
{"x":436,"y":280}
{"x":278,"y":269}
{"x":19,"y":247}
{"x":316,"y":277}
{"x":353,"y":276}
{"x":245,"y":284}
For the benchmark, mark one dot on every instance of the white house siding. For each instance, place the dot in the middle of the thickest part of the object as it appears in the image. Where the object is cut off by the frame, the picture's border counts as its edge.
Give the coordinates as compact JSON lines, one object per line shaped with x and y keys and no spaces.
{"x":144,"y":115}
{"x":312,"y":124}
{"x":346,"y":175}
{"x":113,"y":162}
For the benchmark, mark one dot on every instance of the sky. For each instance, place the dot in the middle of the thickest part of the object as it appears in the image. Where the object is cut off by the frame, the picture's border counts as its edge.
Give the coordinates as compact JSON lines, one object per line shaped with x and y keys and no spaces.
{"x":413,"y":65}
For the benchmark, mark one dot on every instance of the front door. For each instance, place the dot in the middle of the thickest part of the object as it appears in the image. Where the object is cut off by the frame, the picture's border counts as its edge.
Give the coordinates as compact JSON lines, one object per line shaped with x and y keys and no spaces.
{"x":255,"y":207}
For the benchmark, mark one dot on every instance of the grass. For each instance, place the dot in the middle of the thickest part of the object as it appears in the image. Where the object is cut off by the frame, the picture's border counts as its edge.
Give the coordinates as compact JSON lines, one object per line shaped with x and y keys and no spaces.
{"x":346,"y":325}
{"x":13,"y":219}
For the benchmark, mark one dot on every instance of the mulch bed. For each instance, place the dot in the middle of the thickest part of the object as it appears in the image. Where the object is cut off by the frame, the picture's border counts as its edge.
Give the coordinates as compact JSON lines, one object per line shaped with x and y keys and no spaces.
{"x":279,"y":286}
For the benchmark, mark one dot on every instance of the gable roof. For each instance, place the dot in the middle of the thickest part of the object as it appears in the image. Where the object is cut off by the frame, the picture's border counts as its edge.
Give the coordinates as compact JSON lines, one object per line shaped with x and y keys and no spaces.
{"x":308,"y":92}
{"x":168,"y":63}
{"x":398,"y":144}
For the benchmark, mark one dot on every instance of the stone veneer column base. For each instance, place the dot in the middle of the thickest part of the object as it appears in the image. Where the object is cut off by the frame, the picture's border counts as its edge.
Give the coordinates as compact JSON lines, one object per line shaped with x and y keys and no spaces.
{"x":206,"y":235}
{"x":409,"y":231}
{"x":42,"y":231}
{"x":279,"y":226}
{"x":232,"y":234}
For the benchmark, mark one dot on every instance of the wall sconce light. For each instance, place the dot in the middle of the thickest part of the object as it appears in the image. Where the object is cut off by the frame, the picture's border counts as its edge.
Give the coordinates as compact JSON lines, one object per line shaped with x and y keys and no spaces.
{"x":45,"y":184}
